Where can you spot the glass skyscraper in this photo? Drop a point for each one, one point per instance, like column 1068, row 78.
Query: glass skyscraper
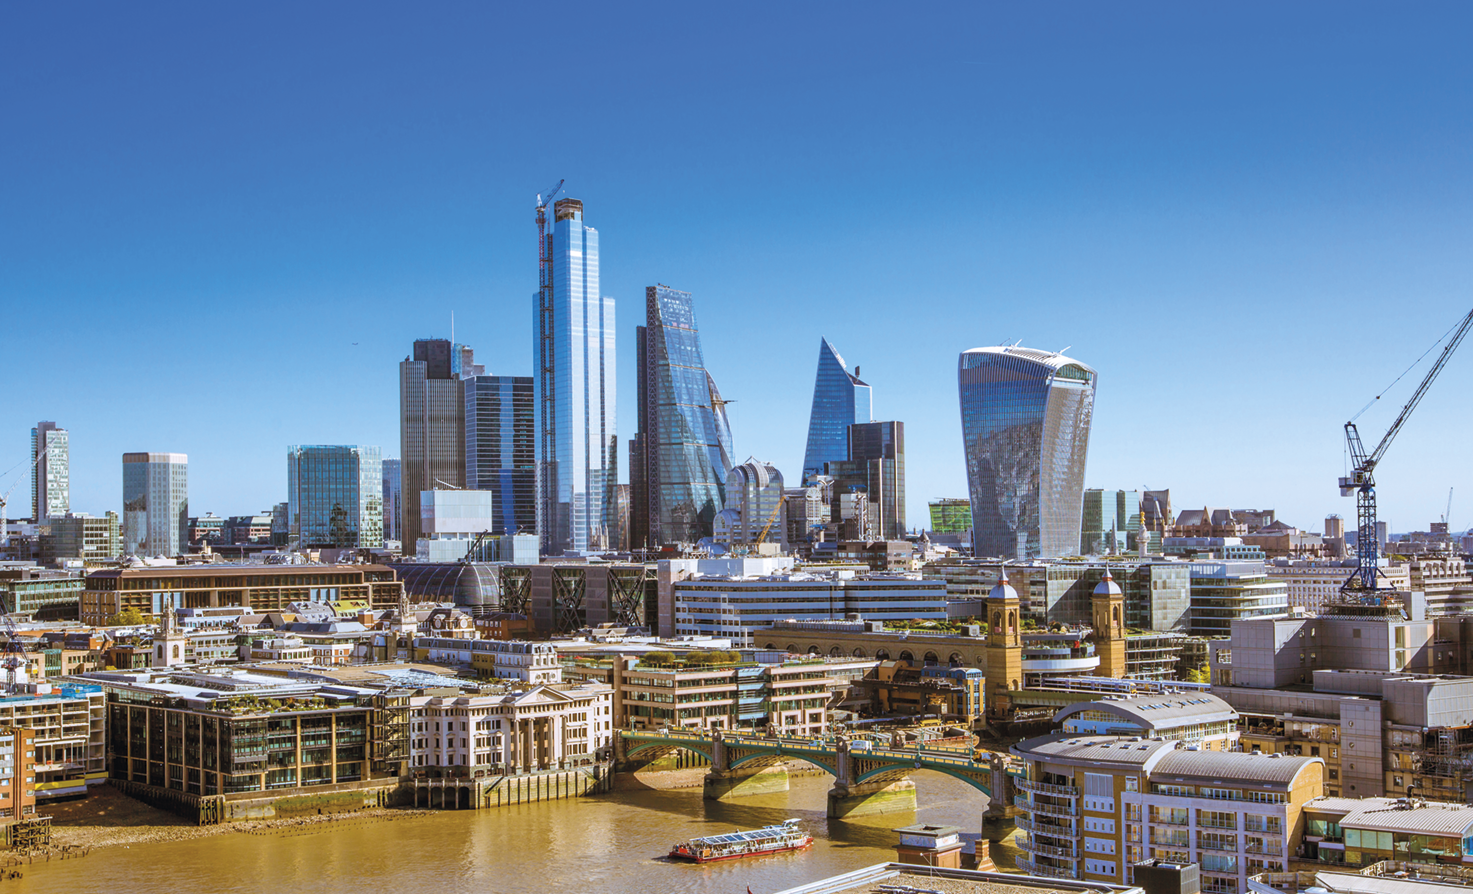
column 1111, row 521
column 155, row 504
column 679, row 460
column 577, row 436
column 1025, row 433
column 876, row 466
column 500, row 448
column 393, row 499
column 840, row 399
column 431, row 424
column 51, row 471
column 335, row 496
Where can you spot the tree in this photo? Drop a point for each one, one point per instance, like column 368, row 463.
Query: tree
column 659, row 659
column 1197, row 675
column 128, row 617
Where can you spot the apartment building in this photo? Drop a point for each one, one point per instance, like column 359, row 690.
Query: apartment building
column 261, row 588
column 17, row 777
column 68, row 723
column 1095, row 805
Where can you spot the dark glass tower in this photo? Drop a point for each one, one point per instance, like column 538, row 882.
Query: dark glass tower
column 500, row 448
column 1025, row 433
column 681, row 455
column 876, row 465
column 431, row 424
column 840, row 399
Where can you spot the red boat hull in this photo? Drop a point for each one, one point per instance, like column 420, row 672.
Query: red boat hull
column 679, row 854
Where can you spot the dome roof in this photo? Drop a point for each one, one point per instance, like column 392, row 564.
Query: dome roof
column 1002, row 590
column 1107, row 586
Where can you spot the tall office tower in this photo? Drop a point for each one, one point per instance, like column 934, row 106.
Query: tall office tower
column 840, row 400
column 51, row 468
column 393, row 497
column 679, row 460
column 876, row 466
column 1025, row 433
column 155, row 504
column 431, row 424
column 1110, row 522
column 501, row 450
column 577, row 437
column 334, row 496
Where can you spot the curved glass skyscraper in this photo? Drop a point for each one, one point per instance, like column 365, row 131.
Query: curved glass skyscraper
column 679, row 459
column 840, row 399
column 1025, row 431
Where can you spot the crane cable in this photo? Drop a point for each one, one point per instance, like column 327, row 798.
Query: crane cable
column 1405, row 371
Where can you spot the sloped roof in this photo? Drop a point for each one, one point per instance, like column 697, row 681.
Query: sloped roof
column 1228, row 767
column 1158, row 711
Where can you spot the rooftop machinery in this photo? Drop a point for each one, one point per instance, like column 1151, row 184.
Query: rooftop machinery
column 1363, row 586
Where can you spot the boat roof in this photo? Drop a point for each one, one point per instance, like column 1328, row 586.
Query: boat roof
column 739, row 837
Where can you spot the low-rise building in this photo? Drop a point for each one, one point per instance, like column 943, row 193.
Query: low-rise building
column 1195, row 718
column 1315, row 585
column 493, row 659
column 261, row 588
column 506, row 730
column 1361, row 832
column 42, row 593
column 1094, row 806
column 68, row 723
column 949, row 693
column 1224, row 592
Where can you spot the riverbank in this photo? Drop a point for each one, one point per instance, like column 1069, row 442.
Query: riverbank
column 109, row 818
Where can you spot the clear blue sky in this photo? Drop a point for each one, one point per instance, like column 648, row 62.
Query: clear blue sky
column 1248, row 217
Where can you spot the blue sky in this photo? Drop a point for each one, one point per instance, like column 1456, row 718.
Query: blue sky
column 1248, row 217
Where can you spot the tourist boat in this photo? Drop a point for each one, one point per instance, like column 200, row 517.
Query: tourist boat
column 785, row 836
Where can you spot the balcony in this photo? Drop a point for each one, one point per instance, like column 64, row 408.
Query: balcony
column 1023, row 803
column 1046, row 788
column 1032, row 868
column 1228, row 845
column 1027, row 843
column 1170, row 820
column 1060, row 831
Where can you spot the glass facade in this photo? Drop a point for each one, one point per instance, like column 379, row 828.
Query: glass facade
column 754, row 503
column 335, row 496
column 393, row 497
column 432, row 423
column 876, row 466
column 839, row 400
column 1025, row 432
column 681, row 456
column 951, row 516
column 51, row 468
column 577, row 436
column 500, row 448
column 155, row 504
column 1111, row 522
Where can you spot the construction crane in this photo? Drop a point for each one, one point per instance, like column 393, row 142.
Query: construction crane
column 5, row 499
column 1362, row 587
column 1447, row 516
column 15, row 653
column 770, row 520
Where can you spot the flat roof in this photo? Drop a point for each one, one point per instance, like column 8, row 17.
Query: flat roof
column 1128, row 751
column 950, row 881
column 228, row 570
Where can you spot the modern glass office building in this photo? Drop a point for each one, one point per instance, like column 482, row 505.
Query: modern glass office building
column 876, row 466
column 577, row 435
column 1025, row 432
column 501, row 449
column 51, row 471
column 840, row 399
column 1111, row 523
column 393, row 499
column 679, row 460
column 155, row 504
column 431, row 423
column 950, row 515
column 335, row 496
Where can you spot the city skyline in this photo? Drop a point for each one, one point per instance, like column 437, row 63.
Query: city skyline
column 1219, row 228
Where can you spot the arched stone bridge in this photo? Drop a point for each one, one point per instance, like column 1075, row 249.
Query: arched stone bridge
column 866, row 780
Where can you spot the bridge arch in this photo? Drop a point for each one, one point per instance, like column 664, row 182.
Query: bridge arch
column 650, row 750
column 901, row 768
column 764, row 759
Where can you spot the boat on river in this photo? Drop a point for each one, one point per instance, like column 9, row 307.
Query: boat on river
column 785, row 836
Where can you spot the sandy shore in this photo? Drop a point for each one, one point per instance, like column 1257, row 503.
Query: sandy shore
column 109, row 818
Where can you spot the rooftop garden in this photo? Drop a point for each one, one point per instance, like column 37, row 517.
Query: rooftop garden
column 958, row 627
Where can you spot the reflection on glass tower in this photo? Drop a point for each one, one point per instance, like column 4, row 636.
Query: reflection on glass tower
column 840, row 399
column 335, row 496
column 500, row 454
column 577, row 441
column 1025, row 431
column 679, row 459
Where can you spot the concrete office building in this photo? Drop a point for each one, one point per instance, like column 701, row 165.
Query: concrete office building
column 754, row 504
column 451, row 521
column 50, row 472
column 431, row 423
column 840, row 400
column 577, row 429
column 82, row 536
column 1314, row 585
column 680, row 458
column 335, row 496
column 1094, row 806
column 155, row 504
column 1025, row 434
column 500, row 448
column 261, row 588
column 393, row 497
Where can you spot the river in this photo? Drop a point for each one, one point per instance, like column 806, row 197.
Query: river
column 607, row 843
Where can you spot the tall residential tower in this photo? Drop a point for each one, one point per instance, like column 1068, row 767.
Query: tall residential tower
column 1025, row 434
column 840, row 400
column 155, row 504
column 577, row 439
column 51, row 470
column 679, row 460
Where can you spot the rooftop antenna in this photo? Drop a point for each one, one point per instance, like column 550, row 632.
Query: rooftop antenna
column 1018, row 342
column 1062, row 350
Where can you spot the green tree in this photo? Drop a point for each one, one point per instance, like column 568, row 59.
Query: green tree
column 659, row 659
column 128, row 617
column 1197, row 675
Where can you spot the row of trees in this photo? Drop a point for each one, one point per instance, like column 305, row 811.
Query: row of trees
column 691, row 659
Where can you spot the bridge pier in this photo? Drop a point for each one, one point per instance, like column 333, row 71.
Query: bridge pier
column 745, row 781
column 872, row 798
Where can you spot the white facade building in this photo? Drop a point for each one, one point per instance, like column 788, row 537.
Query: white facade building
column 541, row 728
column 502, row 659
